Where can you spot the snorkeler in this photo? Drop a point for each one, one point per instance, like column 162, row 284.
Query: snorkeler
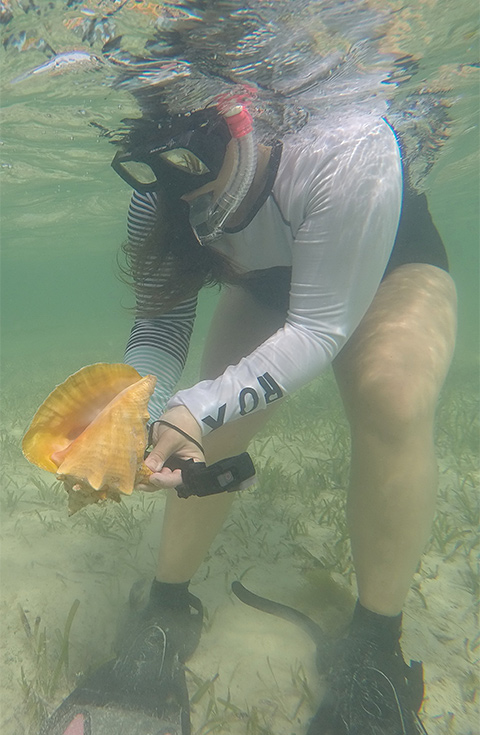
column 317, row 272
column 327, row 257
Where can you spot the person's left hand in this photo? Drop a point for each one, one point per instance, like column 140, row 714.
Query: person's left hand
column 168, row 442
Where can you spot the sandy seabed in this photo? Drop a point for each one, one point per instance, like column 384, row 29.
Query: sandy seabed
column 286, row 539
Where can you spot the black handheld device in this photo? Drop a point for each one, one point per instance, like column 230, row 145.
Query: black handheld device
column 227, row 475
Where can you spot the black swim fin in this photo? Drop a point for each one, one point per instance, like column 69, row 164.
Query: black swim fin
column 372, row 693
column 372, row 703
column 143, row 692
column 91, row 720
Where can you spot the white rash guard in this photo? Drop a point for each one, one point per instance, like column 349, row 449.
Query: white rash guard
column 332, row 217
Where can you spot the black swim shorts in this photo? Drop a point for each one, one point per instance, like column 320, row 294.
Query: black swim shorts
column 417, row 241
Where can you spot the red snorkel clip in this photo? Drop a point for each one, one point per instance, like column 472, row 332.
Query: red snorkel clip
column 233, row 107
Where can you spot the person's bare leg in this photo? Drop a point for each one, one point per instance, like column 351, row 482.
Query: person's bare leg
column 390, row 374
column 239, row 325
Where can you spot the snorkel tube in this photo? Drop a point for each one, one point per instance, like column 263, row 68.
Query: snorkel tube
column 207, row 218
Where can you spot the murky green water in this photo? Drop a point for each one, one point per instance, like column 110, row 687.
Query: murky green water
column 64, row 306
column 63, row 209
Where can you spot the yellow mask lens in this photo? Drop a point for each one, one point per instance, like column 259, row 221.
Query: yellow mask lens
column 185, row 160
column 141, row 172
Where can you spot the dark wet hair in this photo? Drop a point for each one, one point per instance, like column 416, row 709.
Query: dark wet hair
column 169, row 266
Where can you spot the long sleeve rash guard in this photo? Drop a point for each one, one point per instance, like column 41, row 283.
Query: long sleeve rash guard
column 332, row 216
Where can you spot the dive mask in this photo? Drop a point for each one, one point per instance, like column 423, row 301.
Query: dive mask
column 179, row 155
column 187, row 152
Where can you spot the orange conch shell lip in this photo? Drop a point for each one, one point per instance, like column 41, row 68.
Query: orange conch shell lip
column 91, row 431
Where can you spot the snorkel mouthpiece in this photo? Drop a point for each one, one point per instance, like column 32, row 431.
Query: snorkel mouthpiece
column 206, row 217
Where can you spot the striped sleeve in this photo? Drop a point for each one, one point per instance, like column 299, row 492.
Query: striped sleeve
column 157, row 345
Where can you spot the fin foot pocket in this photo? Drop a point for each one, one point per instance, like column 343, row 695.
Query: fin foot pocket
column 370, row 692
column 143, row 691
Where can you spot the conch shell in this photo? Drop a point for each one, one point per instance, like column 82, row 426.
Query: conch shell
column 91, row 431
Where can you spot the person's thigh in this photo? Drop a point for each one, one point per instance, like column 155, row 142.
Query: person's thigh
column 239, row 325
column 391, row 370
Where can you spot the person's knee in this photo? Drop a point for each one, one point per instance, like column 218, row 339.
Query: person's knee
column 393, row 403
